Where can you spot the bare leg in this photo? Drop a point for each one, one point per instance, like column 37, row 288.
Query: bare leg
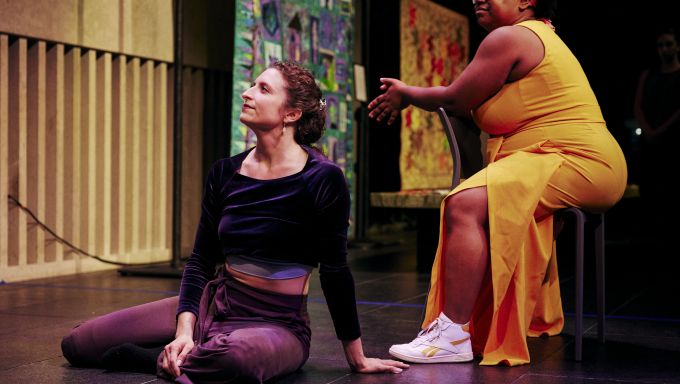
column 466, row 251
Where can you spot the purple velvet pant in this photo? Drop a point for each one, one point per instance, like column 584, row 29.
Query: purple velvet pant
column 243, row 334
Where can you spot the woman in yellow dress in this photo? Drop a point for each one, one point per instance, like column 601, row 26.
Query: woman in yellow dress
column 494, row 280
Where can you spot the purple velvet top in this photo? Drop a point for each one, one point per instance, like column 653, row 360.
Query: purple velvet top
column 300, row 218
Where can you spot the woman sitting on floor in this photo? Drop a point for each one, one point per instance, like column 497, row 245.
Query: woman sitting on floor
column 269, row 216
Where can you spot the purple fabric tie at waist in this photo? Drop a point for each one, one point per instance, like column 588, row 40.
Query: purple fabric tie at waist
column 226, row 300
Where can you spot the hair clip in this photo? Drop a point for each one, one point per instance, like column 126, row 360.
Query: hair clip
column 322, row 104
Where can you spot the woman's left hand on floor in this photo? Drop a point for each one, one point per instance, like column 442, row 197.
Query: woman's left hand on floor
column 372, row 365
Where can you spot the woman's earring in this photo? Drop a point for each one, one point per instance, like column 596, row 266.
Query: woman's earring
column 283, row 132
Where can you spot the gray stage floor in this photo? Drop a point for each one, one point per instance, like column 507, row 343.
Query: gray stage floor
column 643, row 323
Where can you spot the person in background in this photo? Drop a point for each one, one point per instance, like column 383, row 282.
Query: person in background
column 657, row 110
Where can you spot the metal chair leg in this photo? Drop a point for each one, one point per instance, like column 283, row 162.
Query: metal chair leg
column 578, row 272
column 597, row 228
column 599, row 277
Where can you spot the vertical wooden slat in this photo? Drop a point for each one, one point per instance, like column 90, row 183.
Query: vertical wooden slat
column 54, row 178
column 118, row 142
column 102, row 152
column 169, row 155
column 4, row 155
column 160, row 161
column 185, row 205
column 147, row 152
column 89, row 158
column 133, row 150
column 17, row 150
column 36, row 130
column 72, row 151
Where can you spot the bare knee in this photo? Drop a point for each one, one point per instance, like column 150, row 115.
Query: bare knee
column 469, row 206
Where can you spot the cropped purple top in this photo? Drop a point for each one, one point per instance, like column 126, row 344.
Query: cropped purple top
column 301, row 218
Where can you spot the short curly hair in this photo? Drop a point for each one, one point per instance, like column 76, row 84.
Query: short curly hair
column 302, row 92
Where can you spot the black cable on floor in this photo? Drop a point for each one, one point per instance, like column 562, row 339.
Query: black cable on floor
column 72, row 246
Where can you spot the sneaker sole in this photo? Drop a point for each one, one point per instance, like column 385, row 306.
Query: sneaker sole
column 457, row 358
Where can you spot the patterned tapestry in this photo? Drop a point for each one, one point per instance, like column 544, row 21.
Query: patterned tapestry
column 434, row 51
column 316, row 33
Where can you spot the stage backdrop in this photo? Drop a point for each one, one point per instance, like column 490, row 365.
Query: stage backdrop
column 316, row 33
column 434, row 51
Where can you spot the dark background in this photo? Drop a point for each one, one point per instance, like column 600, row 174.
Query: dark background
column 614, row 41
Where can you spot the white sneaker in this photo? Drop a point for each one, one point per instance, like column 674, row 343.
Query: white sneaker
column 443, row 341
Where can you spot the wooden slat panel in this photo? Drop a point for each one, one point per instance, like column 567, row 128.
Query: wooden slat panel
column 36, row 150
column 89, row 159
column 133, row 154
column 72, row 149
column 147, row 152
column 4, row 139
column 85, row 142
column 17, row 150
column 118, row 145
column 54, row 178
column 160, row 158
column 102, row 152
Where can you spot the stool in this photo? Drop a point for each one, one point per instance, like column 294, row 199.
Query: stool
column 593, row 224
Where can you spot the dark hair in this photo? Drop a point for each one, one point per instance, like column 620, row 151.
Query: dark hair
column 666, row 30
column 545, row 9
column 303, row 93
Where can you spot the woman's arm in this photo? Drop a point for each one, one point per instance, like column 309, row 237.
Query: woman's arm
column 197, row 272
column 506, row 54
column 332, row 204
column 354, row 352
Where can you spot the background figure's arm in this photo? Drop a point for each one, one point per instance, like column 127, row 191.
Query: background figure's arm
column 638, row 111
column 675, row 117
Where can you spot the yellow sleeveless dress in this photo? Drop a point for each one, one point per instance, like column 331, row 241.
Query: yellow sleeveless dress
column 550, row 147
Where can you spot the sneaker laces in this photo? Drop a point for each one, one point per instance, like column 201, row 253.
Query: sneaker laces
column 435, row 331
column 432, row 332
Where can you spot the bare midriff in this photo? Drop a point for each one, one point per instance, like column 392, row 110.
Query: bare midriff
column 293, row 286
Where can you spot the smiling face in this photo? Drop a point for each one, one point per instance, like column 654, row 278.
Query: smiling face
column 264, row 103
column 492, row 14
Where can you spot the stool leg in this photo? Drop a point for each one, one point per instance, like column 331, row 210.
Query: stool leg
column 599, row 270
column 578, row 318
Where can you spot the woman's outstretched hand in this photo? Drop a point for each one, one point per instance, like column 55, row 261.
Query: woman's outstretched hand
column 354, row 352
column 389, row 103
column 372, row 365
